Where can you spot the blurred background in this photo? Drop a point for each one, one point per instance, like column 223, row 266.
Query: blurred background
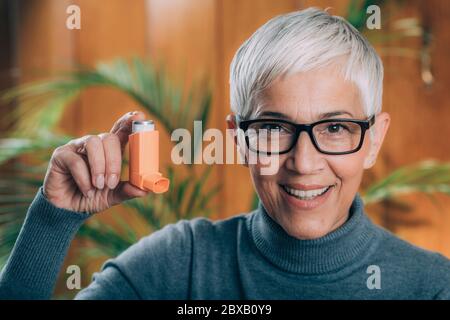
column 170, row 59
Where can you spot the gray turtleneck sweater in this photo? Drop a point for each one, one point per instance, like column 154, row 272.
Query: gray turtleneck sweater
column 245, row 257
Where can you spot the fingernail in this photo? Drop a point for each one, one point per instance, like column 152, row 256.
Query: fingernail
column 112, row 181
column 100, row 181
column 90, row 194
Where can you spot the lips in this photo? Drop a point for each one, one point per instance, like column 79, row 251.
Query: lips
column 306, row 194
column 305, row 187
column 307, row 197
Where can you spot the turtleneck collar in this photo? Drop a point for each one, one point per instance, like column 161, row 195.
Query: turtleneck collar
column 329, row 253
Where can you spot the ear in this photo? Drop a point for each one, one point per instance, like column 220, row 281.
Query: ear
column 239, row 139
column 380, row 129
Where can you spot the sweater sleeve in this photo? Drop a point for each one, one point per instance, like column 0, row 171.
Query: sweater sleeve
column 33, row 266
column 158, row 266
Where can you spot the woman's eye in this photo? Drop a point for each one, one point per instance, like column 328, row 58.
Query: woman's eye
column 335, row 128
column 271, row 127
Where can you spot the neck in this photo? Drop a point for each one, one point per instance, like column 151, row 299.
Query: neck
column 313, row 256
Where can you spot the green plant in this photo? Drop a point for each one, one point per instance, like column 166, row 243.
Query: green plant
column 426, row 177
column 40, row 106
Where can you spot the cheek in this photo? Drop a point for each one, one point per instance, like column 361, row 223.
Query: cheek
column 267, row 184
column 348, row 169
column 267, row 169
column 350, row 166
column 265, row 187
column 262, row 182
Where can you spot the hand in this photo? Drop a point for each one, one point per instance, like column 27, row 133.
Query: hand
column 83, row 175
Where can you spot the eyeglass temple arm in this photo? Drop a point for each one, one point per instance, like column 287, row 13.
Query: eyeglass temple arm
column 371, row 121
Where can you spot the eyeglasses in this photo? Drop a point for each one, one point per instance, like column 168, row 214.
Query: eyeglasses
column 330, row 136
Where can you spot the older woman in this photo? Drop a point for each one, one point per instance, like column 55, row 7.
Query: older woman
column 310, row 83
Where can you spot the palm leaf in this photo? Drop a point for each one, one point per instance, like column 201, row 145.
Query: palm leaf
column 41, row 104
column 427, row 177
column 105, row 237
column 13, row 147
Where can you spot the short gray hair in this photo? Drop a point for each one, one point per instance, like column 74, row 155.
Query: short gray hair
column 301, row 41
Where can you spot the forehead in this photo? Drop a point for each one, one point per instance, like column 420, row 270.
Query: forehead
column 307, row 96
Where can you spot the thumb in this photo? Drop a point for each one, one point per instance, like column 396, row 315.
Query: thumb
column 122, row 128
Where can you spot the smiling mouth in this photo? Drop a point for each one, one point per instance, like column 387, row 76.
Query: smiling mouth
column 306, row 194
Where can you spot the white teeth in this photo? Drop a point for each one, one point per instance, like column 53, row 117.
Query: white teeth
column 306, row 195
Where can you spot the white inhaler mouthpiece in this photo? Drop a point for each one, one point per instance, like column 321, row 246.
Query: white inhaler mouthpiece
column 145, row 125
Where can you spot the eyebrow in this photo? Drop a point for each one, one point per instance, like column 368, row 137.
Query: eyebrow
column 274, row 115
column 326, row 115
column 334, row 114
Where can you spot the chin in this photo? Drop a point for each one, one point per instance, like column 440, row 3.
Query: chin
column 307, row 232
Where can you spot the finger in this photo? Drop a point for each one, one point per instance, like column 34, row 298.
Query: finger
column 96, row 158
column 125, row 191
column 79, row 145
column 113, row 158
column 122, row 128
column 78, row 169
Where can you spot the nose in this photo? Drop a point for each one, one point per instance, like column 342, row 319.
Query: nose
column 305, row 159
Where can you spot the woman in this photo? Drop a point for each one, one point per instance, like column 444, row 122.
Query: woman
column 310, row 83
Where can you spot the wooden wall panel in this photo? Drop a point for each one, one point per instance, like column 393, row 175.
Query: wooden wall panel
column 182, row 35
column 109, row 29
column 419, row 124
column 199, row 38
column 45, row 45
column 8, row 63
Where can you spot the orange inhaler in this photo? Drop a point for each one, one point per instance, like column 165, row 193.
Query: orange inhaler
column 144, row 158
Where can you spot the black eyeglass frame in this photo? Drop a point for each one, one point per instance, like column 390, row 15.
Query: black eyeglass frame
column 299, row 128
